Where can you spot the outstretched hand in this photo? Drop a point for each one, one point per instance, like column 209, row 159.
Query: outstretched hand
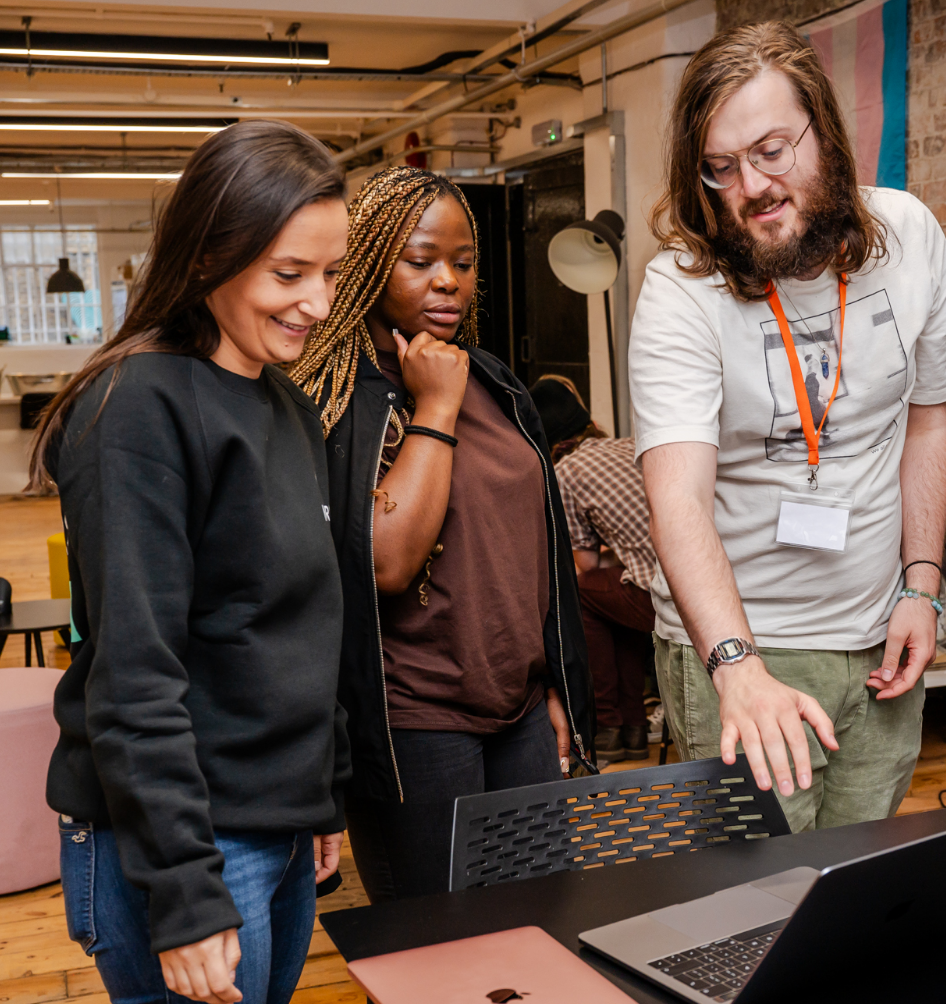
column 765, row 714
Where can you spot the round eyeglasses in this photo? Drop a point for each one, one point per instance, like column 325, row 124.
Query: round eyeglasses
column 772, row 157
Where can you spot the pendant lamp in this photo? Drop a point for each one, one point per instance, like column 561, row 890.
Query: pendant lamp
column 63, row 280
column 585, row 257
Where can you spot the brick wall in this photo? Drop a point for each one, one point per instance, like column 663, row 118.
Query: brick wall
column 729, row 13
column 926, row 121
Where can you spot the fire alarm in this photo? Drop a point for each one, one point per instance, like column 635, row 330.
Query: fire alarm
column 414, row 159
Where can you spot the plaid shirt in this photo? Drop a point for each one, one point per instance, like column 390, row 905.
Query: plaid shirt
column 603, row 492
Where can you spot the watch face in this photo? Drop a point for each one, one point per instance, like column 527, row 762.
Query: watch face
column 730, row 648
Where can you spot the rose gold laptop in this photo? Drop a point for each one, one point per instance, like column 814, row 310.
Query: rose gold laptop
column 524, row 964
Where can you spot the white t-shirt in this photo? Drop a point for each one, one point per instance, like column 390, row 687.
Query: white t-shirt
column 705, row 367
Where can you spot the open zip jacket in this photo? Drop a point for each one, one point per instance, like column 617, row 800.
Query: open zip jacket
column 354, row 453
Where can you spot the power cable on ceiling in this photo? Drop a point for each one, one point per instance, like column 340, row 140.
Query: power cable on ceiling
column 639, row 66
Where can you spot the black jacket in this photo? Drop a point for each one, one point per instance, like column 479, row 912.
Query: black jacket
column 207, row 603
column 354, row 452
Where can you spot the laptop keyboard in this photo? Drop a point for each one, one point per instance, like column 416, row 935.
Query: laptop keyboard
column 722, row 968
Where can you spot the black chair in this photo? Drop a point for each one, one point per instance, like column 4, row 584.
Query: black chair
column 608, row 819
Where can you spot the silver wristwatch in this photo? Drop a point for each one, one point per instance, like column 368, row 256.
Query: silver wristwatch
column 729, row 651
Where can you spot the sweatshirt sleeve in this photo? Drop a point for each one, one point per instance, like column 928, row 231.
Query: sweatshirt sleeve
column 133, row 487
column 342, row 773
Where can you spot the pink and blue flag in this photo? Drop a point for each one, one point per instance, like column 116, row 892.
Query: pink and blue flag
column 866, row 57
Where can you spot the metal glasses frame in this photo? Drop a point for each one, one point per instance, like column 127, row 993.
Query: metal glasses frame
column 706, row 175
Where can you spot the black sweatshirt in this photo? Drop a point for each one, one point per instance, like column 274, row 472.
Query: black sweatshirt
column 207, row 600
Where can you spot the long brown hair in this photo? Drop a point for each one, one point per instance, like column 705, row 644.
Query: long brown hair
column 684, row 218
column 394, row 199
column 236, row 193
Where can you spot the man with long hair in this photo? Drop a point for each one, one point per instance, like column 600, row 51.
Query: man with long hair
column 797, row 492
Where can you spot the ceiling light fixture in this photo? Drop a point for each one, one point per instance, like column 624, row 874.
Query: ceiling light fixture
column 95, row 175
column 114, row 126
column 161, row 49
column 63, row 280
column 24, row 202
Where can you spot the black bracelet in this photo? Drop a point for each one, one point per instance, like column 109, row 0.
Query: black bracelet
column 924, row 562
column 422, row 430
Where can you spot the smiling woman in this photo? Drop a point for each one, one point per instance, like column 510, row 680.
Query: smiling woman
column 202, row 746
column 266, row 311
column 463, row 656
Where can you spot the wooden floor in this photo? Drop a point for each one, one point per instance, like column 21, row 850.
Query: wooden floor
column 38, row 962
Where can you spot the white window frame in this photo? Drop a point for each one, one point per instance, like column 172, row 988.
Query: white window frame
column 49, row 318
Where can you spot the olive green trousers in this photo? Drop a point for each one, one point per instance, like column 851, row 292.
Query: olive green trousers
column 879, row 741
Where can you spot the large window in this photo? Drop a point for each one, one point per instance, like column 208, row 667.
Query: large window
column 28, row 257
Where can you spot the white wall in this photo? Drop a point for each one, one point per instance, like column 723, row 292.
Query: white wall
column 645, row 95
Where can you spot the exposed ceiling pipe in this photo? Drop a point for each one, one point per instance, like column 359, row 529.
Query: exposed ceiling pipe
column 508, row 47
column 540, row 35
column 517, row 76
column 233, row 112
column 326, row 73
column 58, row 14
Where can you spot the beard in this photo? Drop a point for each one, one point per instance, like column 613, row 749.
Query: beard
column 824, row 214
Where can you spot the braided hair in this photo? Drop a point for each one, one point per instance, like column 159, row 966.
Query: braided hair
column 394, row 199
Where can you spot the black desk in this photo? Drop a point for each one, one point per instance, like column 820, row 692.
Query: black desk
column 566, row 903
column 30, row 618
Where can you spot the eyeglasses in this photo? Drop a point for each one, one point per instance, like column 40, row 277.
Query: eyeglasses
column 772, row 157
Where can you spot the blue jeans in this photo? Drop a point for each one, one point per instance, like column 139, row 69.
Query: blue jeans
column 271, row 878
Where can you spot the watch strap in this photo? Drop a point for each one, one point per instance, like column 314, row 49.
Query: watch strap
column 728, row 652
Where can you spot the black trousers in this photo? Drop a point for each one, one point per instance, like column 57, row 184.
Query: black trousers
column 403, row 849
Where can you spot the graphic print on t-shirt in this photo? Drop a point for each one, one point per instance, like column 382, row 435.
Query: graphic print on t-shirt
column 870, row 396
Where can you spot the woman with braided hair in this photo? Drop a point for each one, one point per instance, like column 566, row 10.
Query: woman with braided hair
column 463, row 658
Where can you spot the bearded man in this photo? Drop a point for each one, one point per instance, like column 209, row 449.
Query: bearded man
column 785, row 532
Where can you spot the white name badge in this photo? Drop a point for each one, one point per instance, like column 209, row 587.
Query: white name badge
column 816, row 519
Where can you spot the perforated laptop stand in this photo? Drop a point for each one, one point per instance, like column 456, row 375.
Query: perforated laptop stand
column 608, row 819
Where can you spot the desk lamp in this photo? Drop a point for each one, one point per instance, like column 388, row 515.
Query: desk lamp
column 585, row 257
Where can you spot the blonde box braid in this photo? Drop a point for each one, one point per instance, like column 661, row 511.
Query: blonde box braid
column 397, row 197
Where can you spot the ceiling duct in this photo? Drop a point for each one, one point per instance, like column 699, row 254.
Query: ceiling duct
column 147, row 51
column 522, row 74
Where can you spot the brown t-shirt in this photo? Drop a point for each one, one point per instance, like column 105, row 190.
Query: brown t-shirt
column 471, row 660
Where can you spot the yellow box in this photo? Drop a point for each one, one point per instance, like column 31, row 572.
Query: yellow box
column 58, row 567
column 58, row 574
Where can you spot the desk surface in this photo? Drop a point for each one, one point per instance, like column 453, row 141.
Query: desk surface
column 567, row 903
column 35, row 615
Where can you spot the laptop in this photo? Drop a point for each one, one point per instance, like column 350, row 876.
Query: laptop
column 865, row 930
column 523, row 964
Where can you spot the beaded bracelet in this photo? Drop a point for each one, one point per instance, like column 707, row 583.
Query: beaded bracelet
column 915, row 594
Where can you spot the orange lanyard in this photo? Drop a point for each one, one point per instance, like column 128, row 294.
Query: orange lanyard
column 812, row 435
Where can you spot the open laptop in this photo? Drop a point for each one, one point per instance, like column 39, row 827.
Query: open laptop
column 523, row 964
column 866, row 930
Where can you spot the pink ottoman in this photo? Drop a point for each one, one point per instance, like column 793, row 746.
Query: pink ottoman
column 29, row 831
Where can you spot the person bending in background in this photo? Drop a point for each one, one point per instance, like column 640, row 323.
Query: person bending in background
column 603, row 493
column 201, row 740
column 464, row 666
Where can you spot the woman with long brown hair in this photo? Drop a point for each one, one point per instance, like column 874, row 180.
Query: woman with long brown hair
column 463, row 661
column 201, row 742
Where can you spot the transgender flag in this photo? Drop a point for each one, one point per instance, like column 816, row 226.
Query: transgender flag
column 864, row 51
